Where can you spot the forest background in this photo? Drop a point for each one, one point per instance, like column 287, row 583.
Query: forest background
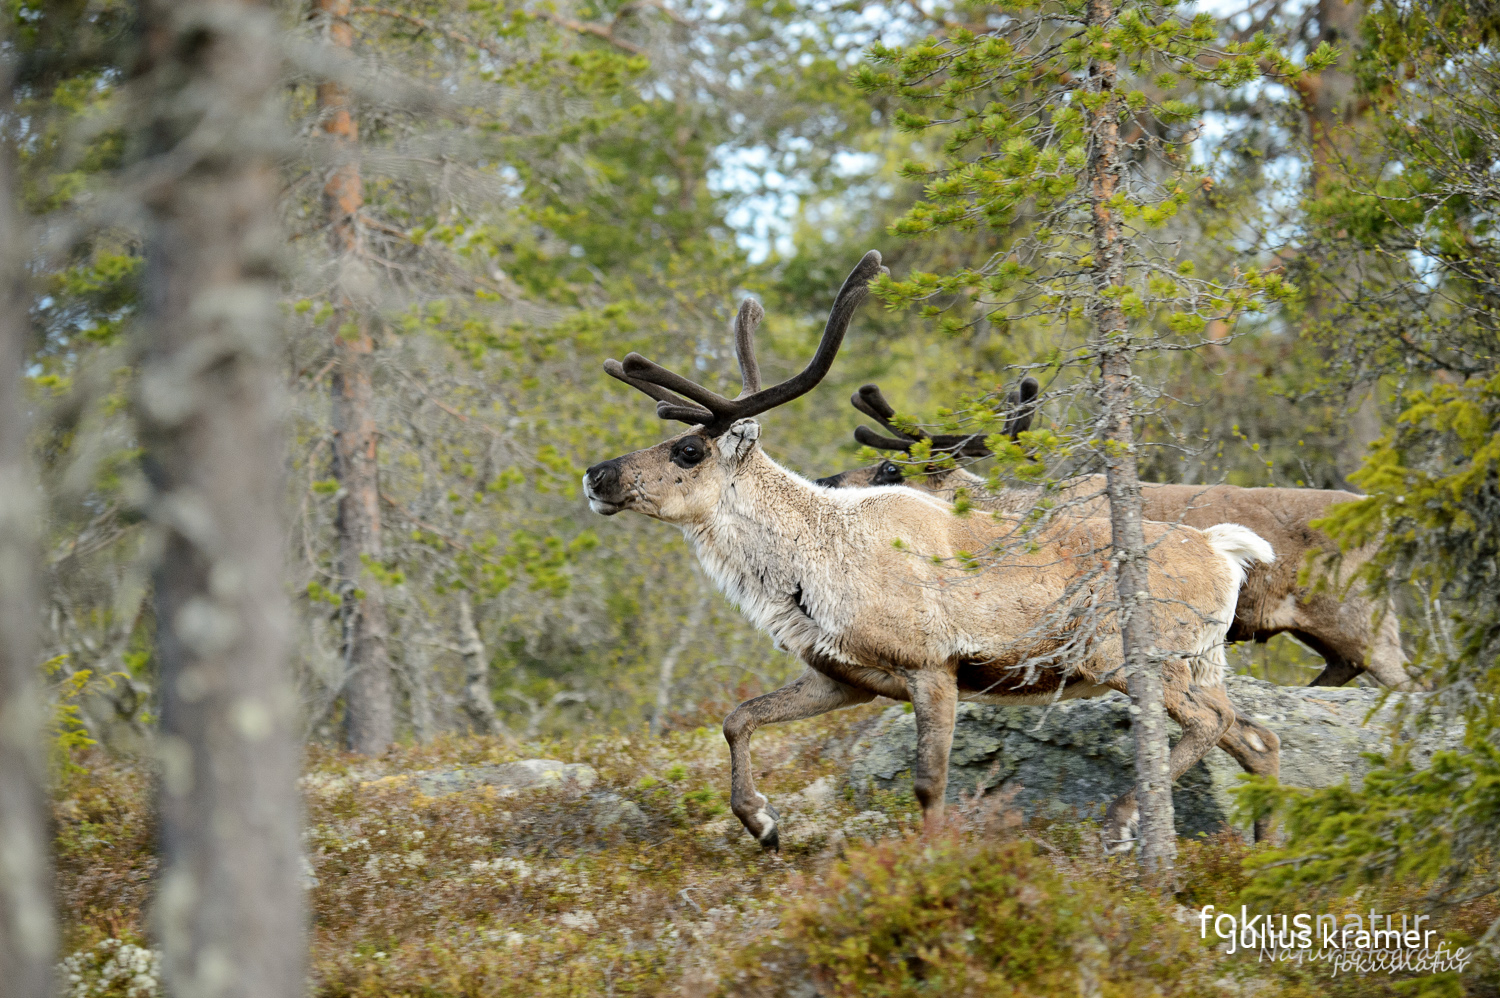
column 481, row 202
column 538, row 189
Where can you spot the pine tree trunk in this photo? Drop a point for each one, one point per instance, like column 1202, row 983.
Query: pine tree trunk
column 228, row 911
column 479, row 702
column 1334, row 114
column 1328, row 98
column 1158, row 838
column 27, row 932
column 369, row 706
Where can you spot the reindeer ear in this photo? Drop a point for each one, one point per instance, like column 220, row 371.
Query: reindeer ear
column 739, row 439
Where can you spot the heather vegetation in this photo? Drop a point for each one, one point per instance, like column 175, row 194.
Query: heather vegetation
column 549, row 893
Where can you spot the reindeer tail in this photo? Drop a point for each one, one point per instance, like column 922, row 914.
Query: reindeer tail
column 1241, row 545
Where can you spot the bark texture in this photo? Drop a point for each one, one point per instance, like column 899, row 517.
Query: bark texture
column 1157, row 844
column 228, row 911
column 1328, row 98
column 27, row 931
column 479, row 702
column 1335, row 115
column 369, row 707
column 669, row 664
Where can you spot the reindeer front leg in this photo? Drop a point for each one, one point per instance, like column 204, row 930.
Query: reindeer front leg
column 809, row 695
column 934, row 701
column 1204, row 713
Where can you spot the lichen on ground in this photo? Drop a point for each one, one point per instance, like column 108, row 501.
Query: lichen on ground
column 643, row 883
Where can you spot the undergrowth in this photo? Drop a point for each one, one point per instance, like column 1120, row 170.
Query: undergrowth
column 645, row 884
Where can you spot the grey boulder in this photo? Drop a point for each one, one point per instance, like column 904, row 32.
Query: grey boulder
column 1071, row 759
column 508, row 777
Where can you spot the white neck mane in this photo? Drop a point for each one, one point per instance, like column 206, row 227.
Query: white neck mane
column 776, row 539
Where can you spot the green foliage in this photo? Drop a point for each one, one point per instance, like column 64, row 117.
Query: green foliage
column 1432, row 508
column 1434, row 504
column 68, row 735
column 1423, row 314
column 1404, row 823
column 1008, row 116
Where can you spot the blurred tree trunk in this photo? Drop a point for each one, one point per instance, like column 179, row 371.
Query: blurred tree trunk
column 1335, row 116
column 415, row 672
column 1153, row 787
column 479, row 702
column 27, row 934
column 1328, row 98
column 369, row 706
column 669, row 664
column 228, row 911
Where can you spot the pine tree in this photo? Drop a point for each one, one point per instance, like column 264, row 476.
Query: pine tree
column 229, row 895
column 1072, row 126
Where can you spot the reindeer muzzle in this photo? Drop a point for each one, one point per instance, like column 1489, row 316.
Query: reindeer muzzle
column 601, row 485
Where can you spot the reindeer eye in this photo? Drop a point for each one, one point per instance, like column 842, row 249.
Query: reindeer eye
column 688, row 452
column 888, row 474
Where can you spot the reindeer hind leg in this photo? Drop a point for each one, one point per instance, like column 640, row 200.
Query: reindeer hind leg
column 1205, row 714
column 1258, row 751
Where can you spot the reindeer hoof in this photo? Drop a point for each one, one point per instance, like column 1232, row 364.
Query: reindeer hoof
column 769, row 820
column 1120, row 834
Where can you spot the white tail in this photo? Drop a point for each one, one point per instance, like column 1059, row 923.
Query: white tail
column 1241, row 545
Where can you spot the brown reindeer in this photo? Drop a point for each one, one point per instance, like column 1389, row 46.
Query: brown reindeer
column 1352, row 631
column 879, row 592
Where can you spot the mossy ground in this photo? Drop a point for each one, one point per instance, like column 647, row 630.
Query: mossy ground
column 480, row 894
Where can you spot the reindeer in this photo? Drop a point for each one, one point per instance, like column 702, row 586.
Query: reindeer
column 873, row 589
column 1351, row 631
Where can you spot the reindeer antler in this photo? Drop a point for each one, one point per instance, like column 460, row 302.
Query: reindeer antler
column 745, row 321
column 1020, row 404
column 699, row 405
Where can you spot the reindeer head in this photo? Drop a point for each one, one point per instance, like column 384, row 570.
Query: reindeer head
column 1020, row 406
column 682, row 479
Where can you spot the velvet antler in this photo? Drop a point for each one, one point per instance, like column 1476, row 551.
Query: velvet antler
column 697, row 404
column 1020, row 404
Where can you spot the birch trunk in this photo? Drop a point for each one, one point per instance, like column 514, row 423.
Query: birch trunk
column 479, row 702
column 669, row 665
column 228, row 911
column 369, row 703
column 1158, row 838
column 27, row 933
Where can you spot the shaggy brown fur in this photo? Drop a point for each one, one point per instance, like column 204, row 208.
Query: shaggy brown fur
column 1334, row 618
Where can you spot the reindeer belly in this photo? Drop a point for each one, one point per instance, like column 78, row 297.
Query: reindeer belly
column 882, row 680
column 989, row 682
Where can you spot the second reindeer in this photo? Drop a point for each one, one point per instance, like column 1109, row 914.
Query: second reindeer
column 884, row 591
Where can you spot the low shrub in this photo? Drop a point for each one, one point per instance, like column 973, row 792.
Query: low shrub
column 969, row 915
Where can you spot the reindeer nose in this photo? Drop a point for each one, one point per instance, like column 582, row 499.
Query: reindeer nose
column 831, row 482
column 603, row 477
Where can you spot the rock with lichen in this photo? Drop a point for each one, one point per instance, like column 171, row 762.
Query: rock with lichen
column 1069, row 760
